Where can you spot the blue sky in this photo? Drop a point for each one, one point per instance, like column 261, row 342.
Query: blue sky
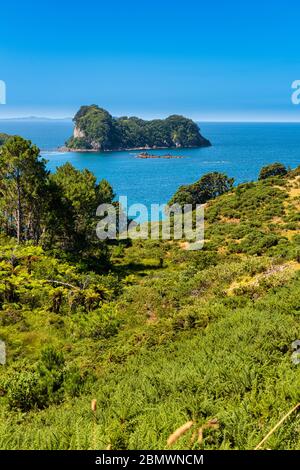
column 217, row 60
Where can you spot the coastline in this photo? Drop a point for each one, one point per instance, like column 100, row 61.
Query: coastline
column 74, row 150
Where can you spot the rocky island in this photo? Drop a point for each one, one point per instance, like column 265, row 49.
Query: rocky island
column 146, row 155
column 97, row 130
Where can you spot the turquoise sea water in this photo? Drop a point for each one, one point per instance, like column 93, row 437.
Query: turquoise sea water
column 238, row 149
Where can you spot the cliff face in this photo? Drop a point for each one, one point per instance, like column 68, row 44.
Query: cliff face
column 78, row 133
column 96, row 129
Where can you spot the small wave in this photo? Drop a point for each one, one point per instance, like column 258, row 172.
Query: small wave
column 52, row 153
column 211, row 162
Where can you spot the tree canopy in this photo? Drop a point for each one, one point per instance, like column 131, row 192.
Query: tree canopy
column 207, row 187
column 80, row 195
column 57, row 210
column 23, row 186
column 275, row 169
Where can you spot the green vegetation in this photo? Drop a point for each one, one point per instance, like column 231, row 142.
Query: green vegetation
column 207, row 187
column 56, row 211
column 159, row 336
column 275, row 169
column 3, row 138
column 96, row 129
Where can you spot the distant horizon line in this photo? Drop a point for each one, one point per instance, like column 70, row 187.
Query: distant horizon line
column 36, row 118
column 224, row 121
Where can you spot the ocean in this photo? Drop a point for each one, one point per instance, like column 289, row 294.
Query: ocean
column 238, row 149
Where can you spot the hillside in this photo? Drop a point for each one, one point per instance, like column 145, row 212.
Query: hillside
column 96, row 129
column 168, row 336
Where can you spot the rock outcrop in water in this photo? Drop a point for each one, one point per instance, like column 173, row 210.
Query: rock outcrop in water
column 167, row 156
column 95, row 129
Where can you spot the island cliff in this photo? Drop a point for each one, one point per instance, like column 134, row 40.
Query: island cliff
column 95, row 130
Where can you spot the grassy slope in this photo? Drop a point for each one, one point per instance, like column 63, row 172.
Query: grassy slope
column 207, row 335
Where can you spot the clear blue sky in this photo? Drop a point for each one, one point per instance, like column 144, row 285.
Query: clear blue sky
column 211, row 60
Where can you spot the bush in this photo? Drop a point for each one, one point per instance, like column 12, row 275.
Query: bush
column 275, row 169
column 208, row 187
column 46, row 383
column 25, row 391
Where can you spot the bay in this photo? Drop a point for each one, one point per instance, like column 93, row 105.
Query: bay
column 238, row 149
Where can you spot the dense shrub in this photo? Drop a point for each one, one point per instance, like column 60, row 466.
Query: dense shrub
column 48, row 382
column 275, row 169
column 206, row 188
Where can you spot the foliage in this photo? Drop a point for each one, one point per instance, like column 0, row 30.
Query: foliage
column 3, row 138
column 56, row 210
column 99, row 130
column 23, row 188
column 275, row 169
column 207, row 187
column 80, row 196
column 45, row 383
column 168, row 335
